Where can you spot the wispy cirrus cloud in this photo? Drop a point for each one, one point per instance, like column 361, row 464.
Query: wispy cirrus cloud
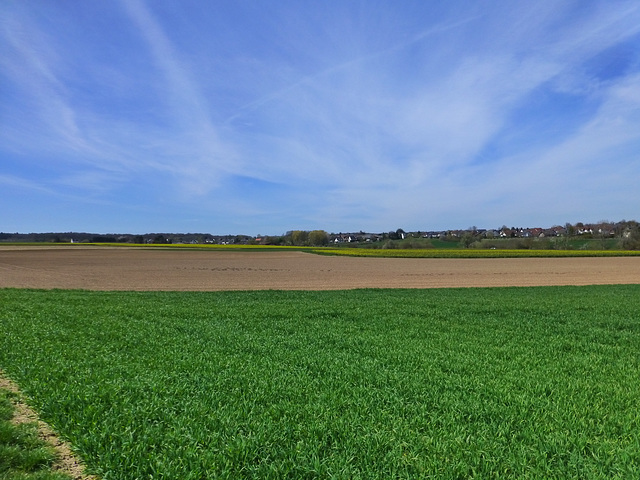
column 332, row 116
column 448, row 122
column 195, row 150
column 30, row 64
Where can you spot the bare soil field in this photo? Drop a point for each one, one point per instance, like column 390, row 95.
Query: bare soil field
column 122, row 268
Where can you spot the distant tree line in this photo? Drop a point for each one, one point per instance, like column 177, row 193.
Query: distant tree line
column 299, row 238
column 604, row 234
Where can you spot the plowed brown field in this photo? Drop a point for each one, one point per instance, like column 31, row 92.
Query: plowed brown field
column 122, row 268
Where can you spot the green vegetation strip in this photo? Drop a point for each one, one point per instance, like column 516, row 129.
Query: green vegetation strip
column 485, row 383
column 472, row 253
column 23, row 455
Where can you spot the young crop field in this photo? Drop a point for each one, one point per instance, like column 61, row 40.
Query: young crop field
column 539, row 382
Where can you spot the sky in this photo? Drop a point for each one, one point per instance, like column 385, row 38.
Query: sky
column 256, row 118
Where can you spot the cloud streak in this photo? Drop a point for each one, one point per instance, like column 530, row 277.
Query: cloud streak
column 415, row 116
column 197, row 153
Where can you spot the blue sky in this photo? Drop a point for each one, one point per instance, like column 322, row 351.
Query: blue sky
column 251, row 117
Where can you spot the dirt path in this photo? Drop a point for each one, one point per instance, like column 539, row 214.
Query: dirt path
column 67, row 462
column 96, row 268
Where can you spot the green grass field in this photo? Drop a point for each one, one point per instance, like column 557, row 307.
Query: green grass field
column 533, row 383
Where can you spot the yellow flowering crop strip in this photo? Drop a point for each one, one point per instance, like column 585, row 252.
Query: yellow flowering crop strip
column 385, row 253
column 196, row 246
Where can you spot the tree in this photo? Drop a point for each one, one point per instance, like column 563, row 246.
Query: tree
column 631, row 237
column 318, row 238
column 299, row 237
column 273, row 240
column 570, row 229
column 467, row 239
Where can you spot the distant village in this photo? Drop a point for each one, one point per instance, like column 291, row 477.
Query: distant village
column 622, row 229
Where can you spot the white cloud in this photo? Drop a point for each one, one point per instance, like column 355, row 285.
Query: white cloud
column 394, row 120
column 195, row 152
column 30, row 62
